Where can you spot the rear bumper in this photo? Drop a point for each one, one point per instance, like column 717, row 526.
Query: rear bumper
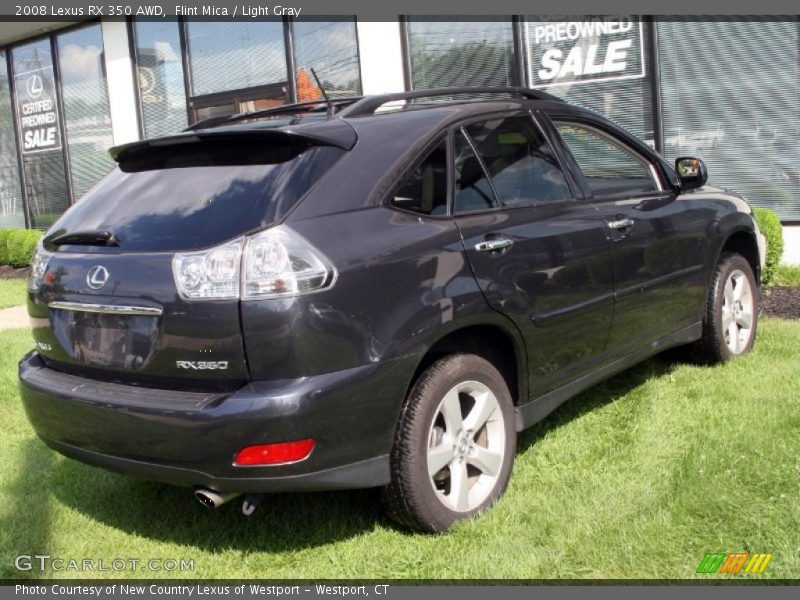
column 191, row 439
column 371, row 472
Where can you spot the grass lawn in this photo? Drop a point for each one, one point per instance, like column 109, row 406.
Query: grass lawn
column 12, row 292
column 639, row 478
column 787, row 275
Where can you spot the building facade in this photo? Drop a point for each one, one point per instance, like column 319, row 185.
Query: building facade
column 725, row 89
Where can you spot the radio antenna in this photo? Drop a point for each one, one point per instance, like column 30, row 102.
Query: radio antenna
column 324, row 93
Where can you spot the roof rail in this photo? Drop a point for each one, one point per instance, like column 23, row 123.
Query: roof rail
column 369, row 104
column 298, row 107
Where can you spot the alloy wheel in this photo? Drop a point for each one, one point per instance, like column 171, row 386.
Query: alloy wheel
column 466, row 446
column 737, row 312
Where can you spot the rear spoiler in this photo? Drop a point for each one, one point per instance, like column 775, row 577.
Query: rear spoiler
column 328, row 133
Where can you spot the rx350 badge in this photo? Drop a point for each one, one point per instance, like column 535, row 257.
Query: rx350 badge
column 202, row 365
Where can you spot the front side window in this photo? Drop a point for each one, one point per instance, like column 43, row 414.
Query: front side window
column 424, row 189
column 522, row 166
column 609, row 167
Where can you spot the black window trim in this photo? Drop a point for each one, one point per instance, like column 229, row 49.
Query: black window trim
column 606, row 130
column 498, row 204
column 518, row 112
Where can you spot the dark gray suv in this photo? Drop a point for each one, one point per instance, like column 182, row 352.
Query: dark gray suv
column 376, row 291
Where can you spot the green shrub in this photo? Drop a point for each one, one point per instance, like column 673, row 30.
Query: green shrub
column 4, row 233
column 21, row 245
column 770, row 225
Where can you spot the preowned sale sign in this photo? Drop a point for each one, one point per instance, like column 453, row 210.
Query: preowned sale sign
column 592, row 49
column 37, row 110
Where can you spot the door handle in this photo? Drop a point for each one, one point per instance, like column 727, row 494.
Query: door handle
column 494, row 245
column 620, row 224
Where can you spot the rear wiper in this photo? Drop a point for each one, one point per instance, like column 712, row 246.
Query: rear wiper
column 84, row 238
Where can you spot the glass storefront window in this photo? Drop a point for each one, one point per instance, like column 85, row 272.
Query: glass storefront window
column 331, row 49
column 11, row 208
column 730, row 94
column 87, row 115
column 600, row 63
column 447, row 52
column 38, row 124
column 159, row 68
column 234, row 55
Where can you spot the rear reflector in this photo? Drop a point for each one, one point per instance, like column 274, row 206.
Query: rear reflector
column 274, row 454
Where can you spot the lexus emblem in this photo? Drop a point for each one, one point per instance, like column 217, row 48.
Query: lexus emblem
column 97, row 277
column 35, row 87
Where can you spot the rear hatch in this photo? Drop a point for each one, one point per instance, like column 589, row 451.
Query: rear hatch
column 104, row 301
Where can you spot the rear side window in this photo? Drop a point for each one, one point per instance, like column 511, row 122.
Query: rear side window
column 609, row 167
column 473, row 190
column 522, row 165
column 199, row 194
column 424, row 189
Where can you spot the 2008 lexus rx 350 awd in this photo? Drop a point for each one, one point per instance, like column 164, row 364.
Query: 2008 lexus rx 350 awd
column 378, row 292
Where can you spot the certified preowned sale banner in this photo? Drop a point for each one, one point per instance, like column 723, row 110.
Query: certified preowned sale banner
column 37, row 110
column 592, row 49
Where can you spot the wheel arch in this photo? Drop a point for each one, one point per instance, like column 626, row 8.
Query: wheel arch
column 741, row 240
column 499, row 344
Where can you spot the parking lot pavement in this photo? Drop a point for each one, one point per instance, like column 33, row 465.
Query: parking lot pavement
column 14, row 318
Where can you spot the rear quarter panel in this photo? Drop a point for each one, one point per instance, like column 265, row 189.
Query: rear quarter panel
column 403, row 282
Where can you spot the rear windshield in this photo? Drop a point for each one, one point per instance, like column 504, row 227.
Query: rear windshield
column 197, row 195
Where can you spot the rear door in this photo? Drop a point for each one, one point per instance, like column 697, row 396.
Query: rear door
column 539, row 254
column 108, row 306
column 659, row 240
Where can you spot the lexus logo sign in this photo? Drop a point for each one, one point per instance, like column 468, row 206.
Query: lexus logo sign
column 97, row 277
column 34, row 87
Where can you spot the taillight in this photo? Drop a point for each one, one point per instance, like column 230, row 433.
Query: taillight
column 38, row 268
column 278, row 262
column 274, row 454
column 211, row 274
column 271, row 264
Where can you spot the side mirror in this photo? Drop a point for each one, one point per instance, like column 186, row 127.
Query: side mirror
column 692, row 173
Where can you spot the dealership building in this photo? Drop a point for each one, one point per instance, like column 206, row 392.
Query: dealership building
column 725, row 89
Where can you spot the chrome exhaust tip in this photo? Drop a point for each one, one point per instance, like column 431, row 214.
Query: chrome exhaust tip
column 212, row 499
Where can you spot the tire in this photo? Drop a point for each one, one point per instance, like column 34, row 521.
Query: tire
column 733, row 276
column 455, row 393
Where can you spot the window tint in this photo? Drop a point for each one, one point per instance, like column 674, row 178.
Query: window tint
column 608, row 166
column 424, row 190
column 473, row 190
column 520, row 161
column 188, row 197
